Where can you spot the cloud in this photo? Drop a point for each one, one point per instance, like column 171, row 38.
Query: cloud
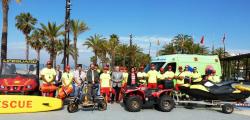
column 234, row 52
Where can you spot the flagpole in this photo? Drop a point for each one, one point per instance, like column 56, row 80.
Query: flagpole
column 224, row 37
column 224, row 49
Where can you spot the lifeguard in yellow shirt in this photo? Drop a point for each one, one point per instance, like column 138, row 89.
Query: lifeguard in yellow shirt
column 67, row 79
column 142, row 76
column 195, row 76
column 152, row 77
column 179, row 78
column 105, row 82
column 48, row 76
column 169, row 77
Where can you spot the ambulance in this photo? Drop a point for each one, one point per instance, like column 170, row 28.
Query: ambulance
column 192, row 60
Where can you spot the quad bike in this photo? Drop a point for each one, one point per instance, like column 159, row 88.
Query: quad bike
column 86, row 100
column 135, row 98
column 224, row 95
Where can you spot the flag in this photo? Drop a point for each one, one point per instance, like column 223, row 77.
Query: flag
column 202, row 40
column 223, row 39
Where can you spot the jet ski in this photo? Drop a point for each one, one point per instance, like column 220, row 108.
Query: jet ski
column 225, row 91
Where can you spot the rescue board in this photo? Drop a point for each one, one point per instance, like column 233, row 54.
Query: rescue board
column 27, row 104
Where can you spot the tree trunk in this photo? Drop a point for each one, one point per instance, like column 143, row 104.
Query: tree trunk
column 76, row 50
column 95, row 61
column 5, row 8
column 27, row 47
column 55, row 61
column 38, row 54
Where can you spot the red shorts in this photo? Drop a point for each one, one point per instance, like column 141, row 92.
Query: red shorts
column 152, row 85
column 107, row 90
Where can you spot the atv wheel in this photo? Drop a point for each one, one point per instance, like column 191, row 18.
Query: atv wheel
column 133, row 104
column 102, row 105
column 72, row 107
column 227, row 108
column 165, row 103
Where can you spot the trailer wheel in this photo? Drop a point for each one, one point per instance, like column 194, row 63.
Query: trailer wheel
column 72, row 107
column 133, row 104
column 165, row 103
column 227, row 108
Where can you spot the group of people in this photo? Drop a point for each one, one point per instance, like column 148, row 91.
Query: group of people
column 111, row 82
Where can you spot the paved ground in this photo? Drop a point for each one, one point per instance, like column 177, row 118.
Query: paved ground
column 116, row 112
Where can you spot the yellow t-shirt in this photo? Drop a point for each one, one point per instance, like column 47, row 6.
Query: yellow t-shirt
column 152, row 76
column 187, row 73
column 105, row 80
column 161, row 76
column 125, row 77
column 67, row 79
column 169, row 75
column 195, row 75
column 142, row 77
column 49, row 74
column 180, row 81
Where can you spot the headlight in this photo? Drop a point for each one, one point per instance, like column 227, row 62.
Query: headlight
column 29, row 86
column 2, row 87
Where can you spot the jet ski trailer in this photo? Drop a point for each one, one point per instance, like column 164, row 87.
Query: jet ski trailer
column 226, row 107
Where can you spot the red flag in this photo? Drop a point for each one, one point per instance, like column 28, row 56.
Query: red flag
column 202, row 40
column 223, row 39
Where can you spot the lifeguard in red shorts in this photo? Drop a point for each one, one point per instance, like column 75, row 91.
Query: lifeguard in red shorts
column 67, row 79
column 105, row 80
column 152, row 77
column 179, row 78
column 48, row 75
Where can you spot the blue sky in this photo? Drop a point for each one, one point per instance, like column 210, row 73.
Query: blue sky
column 147, row 20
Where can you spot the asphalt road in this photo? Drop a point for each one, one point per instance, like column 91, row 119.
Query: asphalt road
column 116, row 112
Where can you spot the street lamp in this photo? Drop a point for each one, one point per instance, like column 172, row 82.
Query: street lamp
column 66, row 35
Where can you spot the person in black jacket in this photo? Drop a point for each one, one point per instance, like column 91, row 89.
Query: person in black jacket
column 132, row 78
column 93, row 80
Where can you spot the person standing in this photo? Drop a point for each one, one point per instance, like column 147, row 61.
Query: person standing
column 105, row 83
column 79, row 77
column 169, row 75
column 132, row 78
column 116, row 83
column 67, row 87
column 152, row 77
column 124, row 71
column 142, row 76
column 58, row 75
column 92, row 79
column 187, row 73
column 195, row 76
column 48, row 76
column 179, row 78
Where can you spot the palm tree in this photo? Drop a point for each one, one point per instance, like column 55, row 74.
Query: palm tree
column 52, row 32
column 123, row 51
column 77, row 28
column 5, row 8
column 70, row 50
column 93, row 42
column 36, row 41
column 182, row 43
column 103, row 51
column 220, row 53
column 112, row 45
column 25, row 22
column 168, row 49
